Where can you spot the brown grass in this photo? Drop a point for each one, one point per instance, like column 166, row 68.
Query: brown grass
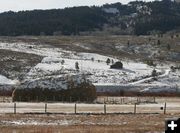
column 99, row 44
column 132, row 123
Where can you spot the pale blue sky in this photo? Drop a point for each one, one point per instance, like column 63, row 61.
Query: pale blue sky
column 17, row 5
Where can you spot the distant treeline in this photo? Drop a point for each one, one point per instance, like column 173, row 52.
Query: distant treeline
column 67, row 21
column 163, row 16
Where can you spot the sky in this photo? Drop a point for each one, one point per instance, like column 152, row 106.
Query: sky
column 19, row 5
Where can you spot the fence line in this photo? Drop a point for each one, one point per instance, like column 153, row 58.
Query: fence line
column 84, row 108
column 102, row 105
column 103, row 100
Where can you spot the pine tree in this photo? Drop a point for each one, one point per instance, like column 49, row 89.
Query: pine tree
column 62, row 62
column 168, row 47
column 154, row 73
column 112, row 61
column 77, row 66
column 128, row 43
column 108, row 61
column 158, row 42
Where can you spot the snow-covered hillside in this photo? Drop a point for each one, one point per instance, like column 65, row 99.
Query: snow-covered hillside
column 57, row 64
column 6, row 81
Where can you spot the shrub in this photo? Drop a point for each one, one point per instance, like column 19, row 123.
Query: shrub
column 154, row 73
column 108, row 61
column 150, row 63
column 82, row 92
column 117, row 65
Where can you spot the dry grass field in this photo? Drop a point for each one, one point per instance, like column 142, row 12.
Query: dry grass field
column 31, row 118
column 90, row 118
column 105, row 45
column 129, row 123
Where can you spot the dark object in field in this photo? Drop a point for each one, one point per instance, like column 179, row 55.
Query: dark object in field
column 82, row 92
column 117, row 65
column 154, row 73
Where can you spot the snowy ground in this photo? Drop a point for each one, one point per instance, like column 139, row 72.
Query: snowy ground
column 134, row 75
column 4, row 80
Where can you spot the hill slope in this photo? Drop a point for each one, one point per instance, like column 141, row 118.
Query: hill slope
column 51, row 73
column 137, row 18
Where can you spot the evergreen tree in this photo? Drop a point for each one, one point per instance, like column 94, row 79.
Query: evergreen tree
column 154, row 73
column 168, row 47
column 108, row 61
column 77, row 66
column 62, row 62
column 158, row 42
column 112, row 61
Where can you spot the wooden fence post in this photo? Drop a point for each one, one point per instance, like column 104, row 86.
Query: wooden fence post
column 154, row 99
column 165, row 108
column 14, row 108
column 3, row 99
column 104, row 108
column 45, row 107
column 54, row 98
column 70, row 99
column 62, row 99
column 37, row 99
column 135, row 108
column 75, row 108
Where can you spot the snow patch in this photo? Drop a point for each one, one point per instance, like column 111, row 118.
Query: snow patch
column 5, row 81
column 111, row 10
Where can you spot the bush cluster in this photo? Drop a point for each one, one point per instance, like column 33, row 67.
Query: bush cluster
column 82, row 92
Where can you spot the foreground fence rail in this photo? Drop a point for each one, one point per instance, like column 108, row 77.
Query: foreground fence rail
column 78, row 108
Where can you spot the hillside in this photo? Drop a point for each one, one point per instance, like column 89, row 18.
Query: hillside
column 49, row 62
column 137, row 18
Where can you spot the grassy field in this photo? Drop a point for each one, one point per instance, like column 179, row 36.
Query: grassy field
column 139, row 123
column 149, row 118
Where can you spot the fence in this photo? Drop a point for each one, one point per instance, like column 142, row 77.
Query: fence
column 125, row 100
column 74, row 108
column 5, row 99
column 102, row 105
column 100, row 99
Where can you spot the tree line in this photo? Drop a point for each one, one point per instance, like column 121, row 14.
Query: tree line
column 164, row 16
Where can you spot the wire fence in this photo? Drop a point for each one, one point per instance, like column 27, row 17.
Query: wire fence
column 99, row 100
column 75, row 108
column 102, row 105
